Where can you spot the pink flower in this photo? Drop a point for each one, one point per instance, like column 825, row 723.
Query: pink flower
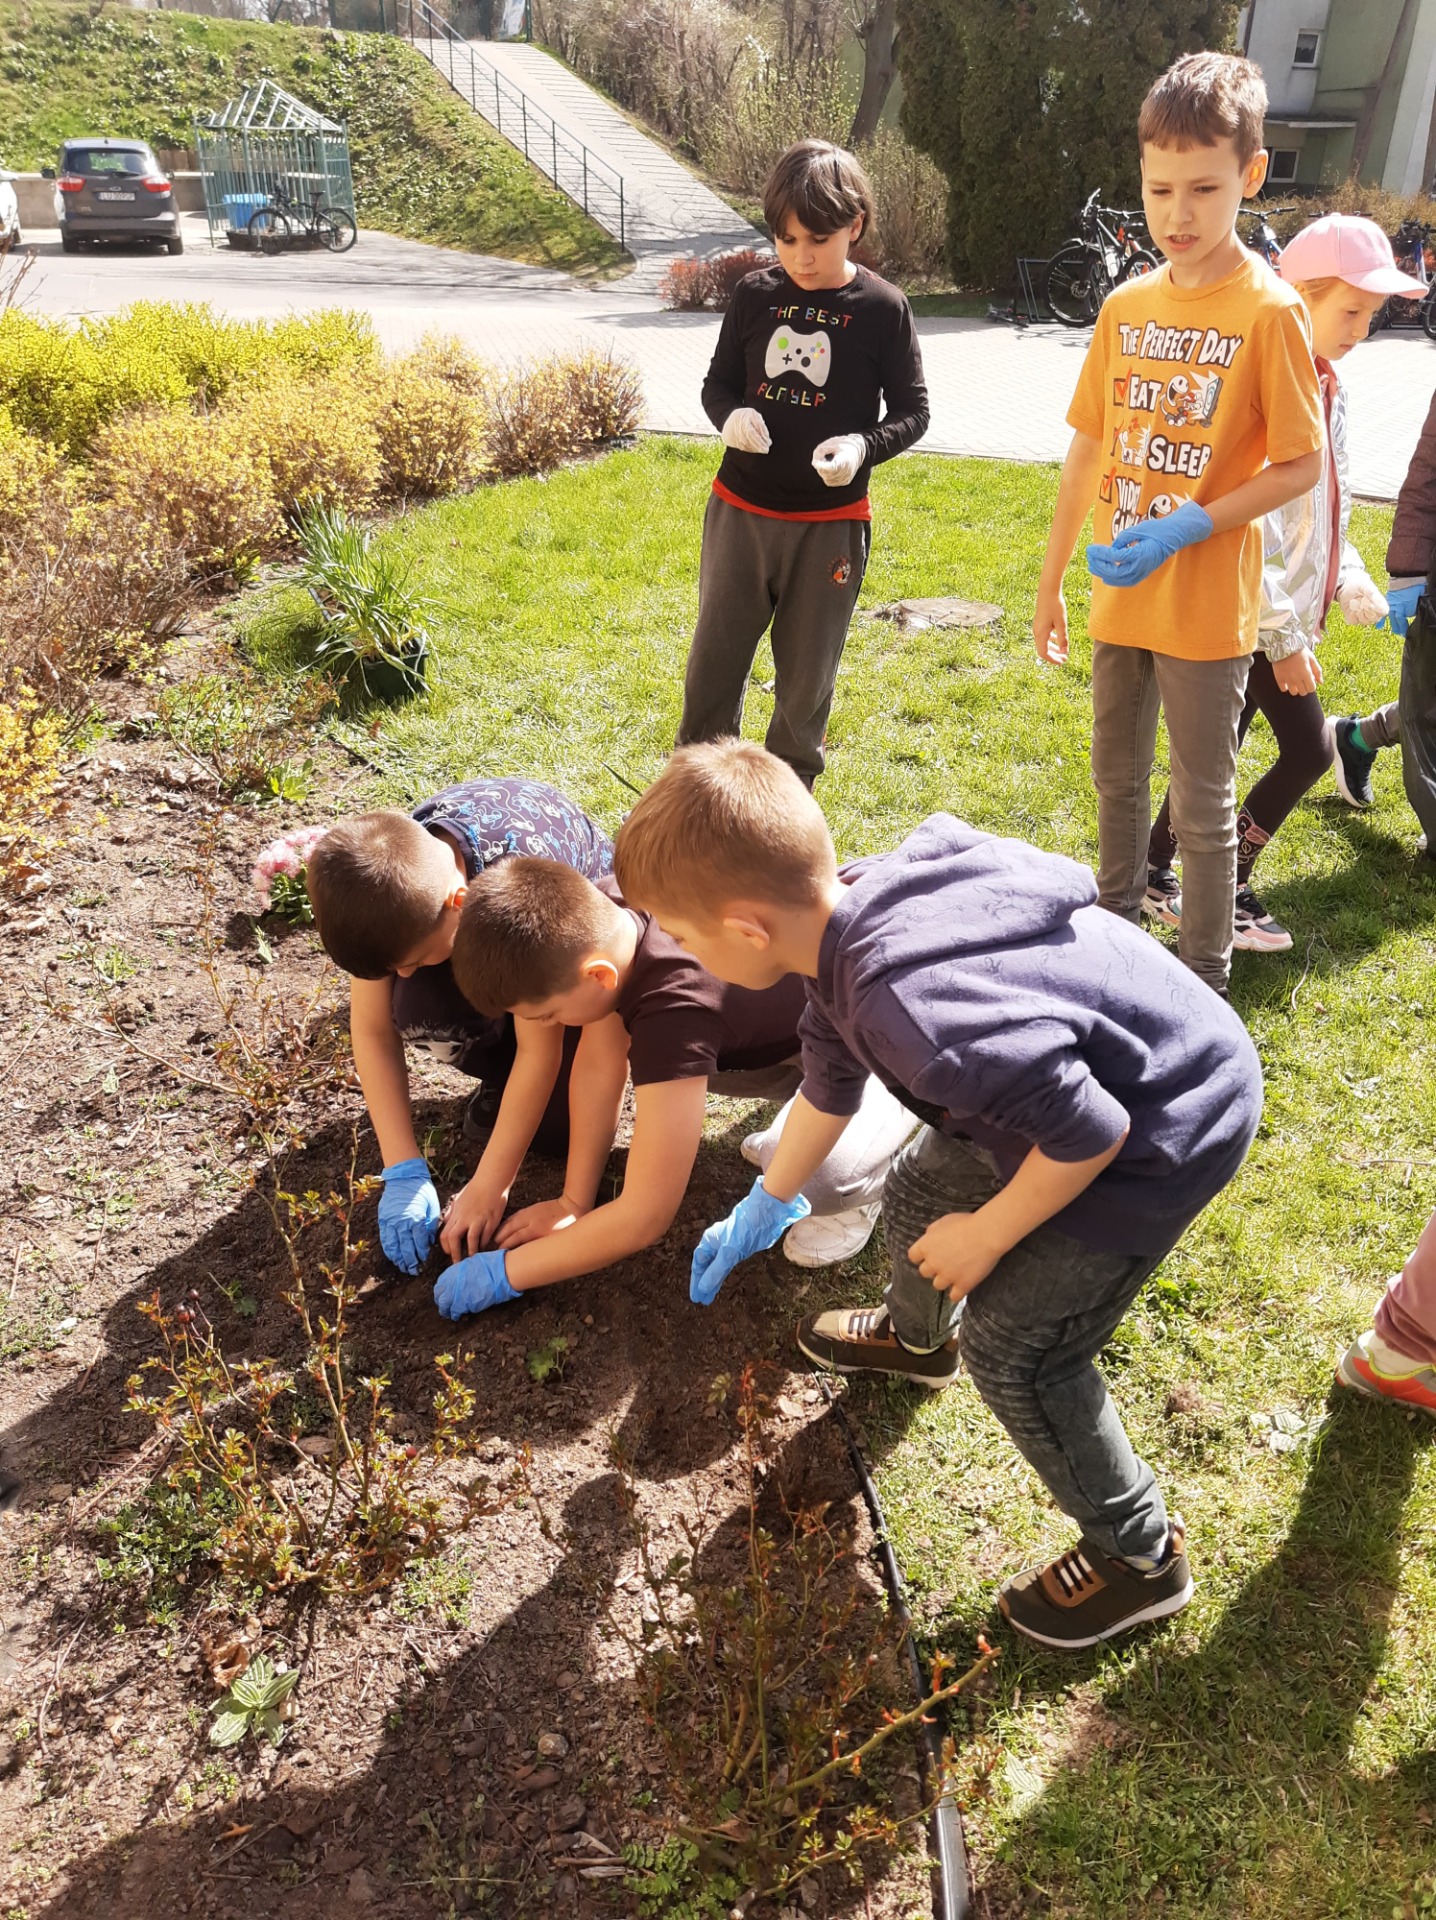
column 288, row 855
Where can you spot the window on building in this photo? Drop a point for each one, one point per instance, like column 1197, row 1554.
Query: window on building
column 1308, row 50
column 1282, row 168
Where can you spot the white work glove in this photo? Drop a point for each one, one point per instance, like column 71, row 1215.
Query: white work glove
column 1361, row 600
column 838, row 459
column 746, row 431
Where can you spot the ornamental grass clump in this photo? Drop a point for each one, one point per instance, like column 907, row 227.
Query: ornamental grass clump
column 374, row 634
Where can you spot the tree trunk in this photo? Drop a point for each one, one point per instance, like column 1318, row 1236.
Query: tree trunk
column 1366, row 125
column 878, row 33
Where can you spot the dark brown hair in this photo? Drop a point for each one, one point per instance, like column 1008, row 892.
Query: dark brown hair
column 723, row 822
column 526, row 928
column 1203, row 98
column 821, row 186
column 373, row 890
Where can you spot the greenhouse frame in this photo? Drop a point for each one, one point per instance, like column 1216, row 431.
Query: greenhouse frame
column 264, row 141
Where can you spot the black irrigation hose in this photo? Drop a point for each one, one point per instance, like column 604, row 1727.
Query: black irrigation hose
column 953, row 1886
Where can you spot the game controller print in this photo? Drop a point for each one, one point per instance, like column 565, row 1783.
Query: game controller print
column 807, row 353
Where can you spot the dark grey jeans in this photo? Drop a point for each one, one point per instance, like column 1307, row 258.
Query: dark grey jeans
column 1029, row 1335
column 802, row 576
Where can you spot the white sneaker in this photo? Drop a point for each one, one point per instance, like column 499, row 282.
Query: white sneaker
column 749, row 1150
column 822, row 1240
column 1421, row 844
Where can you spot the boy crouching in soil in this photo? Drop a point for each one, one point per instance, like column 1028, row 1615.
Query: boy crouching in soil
column 555, row 950
column 1084, row 1097
column 387, row 889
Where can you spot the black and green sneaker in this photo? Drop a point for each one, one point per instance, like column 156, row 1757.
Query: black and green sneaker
column 861, row 1340
column 1082, row 1597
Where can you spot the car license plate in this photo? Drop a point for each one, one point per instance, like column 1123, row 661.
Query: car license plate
column 117, row 196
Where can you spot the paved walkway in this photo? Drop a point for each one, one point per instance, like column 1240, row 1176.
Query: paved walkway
column 666, row 210
column 996, row 391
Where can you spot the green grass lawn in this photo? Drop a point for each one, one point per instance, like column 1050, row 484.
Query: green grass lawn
column 424, row 164
column 1269, row 1753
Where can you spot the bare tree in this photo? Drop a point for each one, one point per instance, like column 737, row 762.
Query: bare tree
column 1366, row 125
column 874, row 22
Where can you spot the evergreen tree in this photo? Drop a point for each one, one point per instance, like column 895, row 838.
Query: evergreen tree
column 1027, row 105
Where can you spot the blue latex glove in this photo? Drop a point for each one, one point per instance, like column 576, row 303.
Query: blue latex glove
column 408, row 1214
column 755, row 1223
column 473, row 1284
column 1402, row 603
column 1140, row 550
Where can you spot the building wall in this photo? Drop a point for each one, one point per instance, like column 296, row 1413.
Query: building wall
column 1356, row 35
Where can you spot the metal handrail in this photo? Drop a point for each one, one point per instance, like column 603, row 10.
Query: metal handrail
column 574, row 168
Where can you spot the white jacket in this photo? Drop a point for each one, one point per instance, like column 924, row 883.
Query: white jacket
column 1297, row 543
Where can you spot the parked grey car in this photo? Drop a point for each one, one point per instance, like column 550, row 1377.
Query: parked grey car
column 113, row 190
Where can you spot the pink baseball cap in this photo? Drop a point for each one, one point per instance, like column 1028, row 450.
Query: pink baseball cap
column 1342, row 246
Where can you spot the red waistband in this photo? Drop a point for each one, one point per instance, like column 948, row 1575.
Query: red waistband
column 858, row 510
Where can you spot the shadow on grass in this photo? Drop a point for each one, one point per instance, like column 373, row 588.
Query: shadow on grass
column 1204, row 1763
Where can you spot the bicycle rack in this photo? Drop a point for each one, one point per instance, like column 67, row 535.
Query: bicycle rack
column 573, row 168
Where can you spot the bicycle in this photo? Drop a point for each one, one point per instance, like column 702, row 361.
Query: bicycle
column 272, row 227
column 1110, row 248
column 1263, row 241
column 1411, row 243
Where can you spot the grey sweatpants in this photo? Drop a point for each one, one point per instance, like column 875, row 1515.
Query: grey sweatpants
column 1029, row 1335
column 802, row 576
column 1203, row 702
column 854, row 1172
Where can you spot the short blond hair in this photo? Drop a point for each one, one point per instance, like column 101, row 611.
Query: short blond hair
column 1203, row 98
column 722, row 822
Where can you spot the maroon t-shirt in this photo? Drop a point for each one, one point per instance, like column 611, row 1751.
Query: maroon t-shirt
column 684, row 1023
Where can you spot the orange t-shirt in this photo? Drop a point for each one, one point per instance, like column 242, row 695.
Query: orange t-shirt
column 1191, row 392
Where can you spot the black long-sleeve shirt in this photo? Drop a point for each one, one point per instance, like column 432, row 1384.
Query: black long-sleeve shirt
column 843, row 360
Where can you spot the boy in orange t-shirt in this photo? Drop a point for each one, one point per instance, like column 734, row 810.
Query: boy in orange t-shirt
column 1197, row 412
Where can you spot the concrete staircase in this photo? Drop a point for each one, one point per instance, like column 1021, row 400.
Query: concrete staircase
column 626, row 182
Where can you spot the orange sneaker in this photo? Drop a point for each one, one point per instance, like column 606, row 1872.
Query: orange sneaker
column 1371, row 1367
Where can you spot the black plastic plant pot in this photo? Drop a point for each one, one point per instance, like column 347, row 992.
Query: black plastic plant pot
column 394, row 677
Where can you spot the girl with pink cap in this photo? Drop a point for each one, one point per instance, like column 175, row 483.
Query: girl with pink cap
column 1343, row 268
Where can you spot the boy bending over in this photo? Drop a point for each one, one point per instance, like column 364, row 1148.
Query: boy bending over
column 556, row 950
column 387, row 889
column 1083, row 1098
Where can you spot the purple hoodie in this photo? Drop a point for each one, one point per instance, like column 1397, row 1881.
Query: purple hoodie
column 977, row 978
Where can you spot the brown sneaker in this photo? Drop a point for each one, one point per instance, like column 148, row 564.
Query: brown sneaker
column 1083, row 1597
column 861, row 1340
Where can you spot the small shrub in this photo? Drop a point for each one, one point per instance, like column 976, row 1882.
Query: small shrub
column 316, row 435
column 31, row 474
column 533, row 425
column 328, row 340
column 159, row 1543
column 208, row 353
column 30, row 744
column 192, row 476
column 64, row 383
column 758, row 1666
column 344, row 1512
column 431, row 433
column 374, row 623
column 605, row 397
column 443, row 356
column 248, row 727
column 909, row 237
column 706, row 283
column 89, row 591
